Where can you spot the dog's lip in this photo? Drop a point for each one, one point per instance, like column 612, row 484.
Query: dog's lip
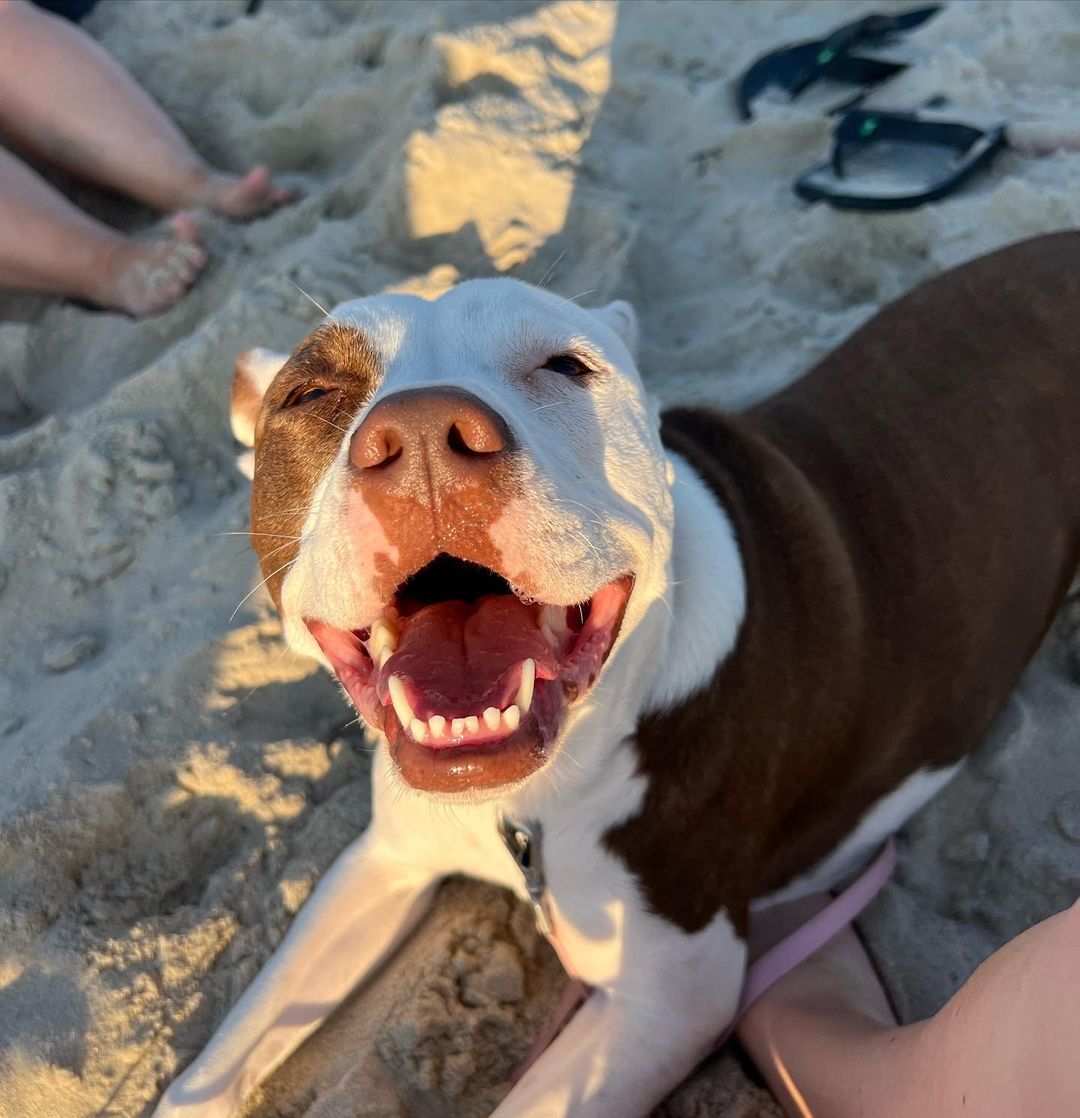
column 468, row 769
column 483, row 756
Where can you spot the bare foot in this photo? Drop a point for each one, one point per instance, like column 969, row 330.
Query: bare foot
column 242, row 197
column 144, row 277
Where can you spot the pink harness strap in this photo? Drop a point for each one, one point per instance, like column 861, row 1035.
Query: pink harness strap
column 763, row 972
column 796, row 948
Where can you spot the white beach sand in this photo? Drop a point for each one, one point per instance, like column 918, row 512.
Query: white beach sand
column 172, row 780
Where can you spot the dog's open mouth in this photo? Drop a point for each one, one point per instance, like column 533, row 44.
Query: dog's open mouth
column 469, row 683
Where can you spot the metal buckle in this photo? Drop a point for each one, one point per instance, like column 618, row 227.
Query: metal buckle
column 524, row 841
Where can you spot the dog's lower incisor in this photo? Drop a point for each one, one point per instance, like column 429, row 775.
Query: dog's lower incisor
column 712, row 658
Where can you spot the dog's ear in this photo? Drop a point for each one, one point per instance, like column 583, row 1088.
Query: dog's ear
column 252, row 374
column 255, row 369
column 620, row 317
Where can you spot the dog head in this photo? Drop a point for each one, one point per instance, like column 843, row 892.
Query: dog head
column 461, row 507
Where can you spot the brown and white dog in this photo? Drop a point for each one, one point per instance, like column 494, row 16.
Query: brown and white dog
column 715, row 658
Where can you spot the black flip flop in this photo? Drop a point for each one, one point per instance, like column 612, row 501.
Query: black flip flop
column 74, row 10
column 794, row 68
column 885, row 160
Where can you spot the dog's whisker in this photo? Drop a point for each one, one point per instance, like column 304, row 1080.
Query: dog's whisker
column 591, row 511
column 590, row 545
column 319, row 535
column 315, row 302
column 580, row 504
column 251, row 535
column 572, row 760
column 282, row 546
column 447, row 813
column 546, row 277
column 284, row 512
column 329, row 423
column 259, row 586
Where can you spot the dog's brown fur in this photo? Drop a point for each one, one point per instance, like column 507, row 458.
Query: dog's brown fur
column 289, row 466
column 908, row 516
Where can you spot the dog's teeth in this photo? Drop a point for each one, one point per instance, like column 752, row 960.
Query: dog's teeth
column 384, row 656
column 382, row 637
column 402, row 708
column 491, row 718
column 512, row 717
column 552, row 623
column 472, row 724
column 437, row 724
column 554, row 617
column 457, row 727
column 418, row 729
column 525, row 688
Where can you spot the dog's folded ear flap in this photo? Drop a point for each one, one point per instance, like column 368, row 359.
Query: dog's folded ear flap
column 620, row 317
column 255, row 369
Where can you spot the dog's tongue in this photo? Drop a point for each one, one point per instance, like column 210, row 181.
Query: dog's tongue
column 462, row 650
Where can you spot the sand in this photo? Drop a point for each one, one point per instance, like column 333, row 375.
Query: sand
column 172, row 779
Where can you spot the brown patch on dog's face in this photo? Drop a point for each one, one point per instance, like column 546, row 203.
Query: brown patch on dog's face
column 459, row 526
column 306, row 409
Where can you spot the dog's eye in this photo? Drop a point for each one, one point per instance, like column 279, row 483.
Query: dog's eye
column 567, row 365
column 304, row 394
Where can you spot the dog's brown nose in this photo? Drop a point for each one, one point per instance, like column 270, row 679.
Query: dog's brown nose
column 428, row 439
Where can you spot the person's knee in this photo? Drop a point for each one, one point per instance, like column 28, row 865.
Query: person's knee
column 1069, row 925
column 1060, row 932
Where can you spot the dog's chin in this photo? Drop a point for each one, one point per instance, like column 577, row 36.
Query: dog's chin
column 470, row 684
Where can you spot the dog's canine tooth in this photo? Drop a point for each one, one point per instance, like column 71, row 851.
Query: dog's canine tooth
column 491, row 718
column 457, row 727
column 384, row 656
column 437, row 725
column 552, row 625
column 524, row 696
column 472, row 724
column 402, row 709
column 512, row 717
column 382, row 637
column 554, row 617
column 418, row 729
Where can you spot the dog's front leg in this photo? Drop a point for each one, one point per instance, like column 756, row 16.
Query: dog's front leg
column 630, row 1044
column 360, row 911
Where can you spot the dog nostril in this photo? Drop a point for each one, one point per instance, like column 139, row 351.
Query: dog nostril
column 393, row 449
column 377, row 449
column 455, row 440
column 474, row 438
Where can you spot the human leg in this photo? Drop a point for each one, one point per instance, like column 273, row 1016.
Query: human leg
column 46, row 244
column 65, row 99
column 1003, row 1046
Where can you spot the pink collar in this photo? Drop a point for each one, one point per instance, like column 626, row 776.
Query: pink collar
column 763, row 973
